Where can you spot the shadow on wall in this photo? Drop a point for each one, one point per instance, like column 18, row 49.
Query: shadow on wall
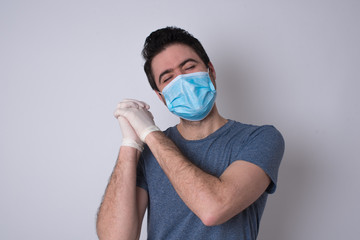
column 285, row 209
column 237, row 88
column 238, row 99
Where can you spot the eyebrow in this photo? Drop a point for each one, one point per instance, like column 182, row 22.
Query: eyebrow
column 180, row 65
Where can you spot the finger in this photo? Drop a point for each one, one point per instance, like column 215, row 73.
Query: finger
column 120, row 112
column 152, row 116
column 139, row 103
column 123, row 121
column 128, row 104
column 116, row 114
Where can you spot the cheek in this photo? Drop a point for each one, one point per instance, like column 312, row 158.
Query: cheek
column 213, row 80
column 161, row 97
column 163, row 85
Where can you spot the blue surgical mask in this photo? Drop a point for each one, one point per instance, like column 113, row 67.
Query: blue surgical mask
column 190, row 96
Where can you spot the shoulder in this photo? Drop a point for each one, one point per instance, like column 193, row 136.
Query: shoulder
column 259, row 144
column 170, row 131
column 263, row 146
column 267, row 135
column 252, row 133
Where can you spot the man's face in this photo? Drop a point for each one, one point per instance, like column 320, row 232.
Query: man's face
column 175, row 60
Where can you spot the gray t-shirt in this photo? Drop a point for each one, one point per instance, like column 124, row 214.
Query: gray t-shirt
column 169, row 217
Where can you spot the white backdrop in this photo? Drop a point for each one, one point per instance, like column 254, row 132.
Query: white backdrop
column 64, row 65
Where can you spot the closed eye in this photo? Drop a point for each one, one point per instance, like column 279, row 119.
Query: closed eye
column 167, row 79
column 190, row 67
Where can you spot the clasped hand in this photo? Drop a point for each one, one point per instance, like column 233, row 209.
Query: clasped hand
column 136, row 122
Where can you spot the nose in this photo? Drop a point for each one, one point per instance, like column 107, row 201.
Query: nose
column 178, row 72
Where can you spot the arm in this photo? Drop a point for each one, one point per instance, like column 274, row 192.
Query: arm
column 214, row 200
column 123, row 207
column 122, row 210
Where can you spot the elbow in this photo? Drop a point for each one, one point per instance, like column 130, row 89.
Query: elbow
column 212, row 211
column 212, row 218
column 101, row 232
column 209, row 221
column 218, row 213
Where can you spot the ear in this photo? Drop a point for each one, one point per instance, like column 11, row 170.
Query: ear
column 212, row 70
column 161, row 97
column 212, row 73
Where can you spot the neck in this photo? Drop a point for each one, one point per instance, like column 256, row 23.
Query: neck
column 196, row 130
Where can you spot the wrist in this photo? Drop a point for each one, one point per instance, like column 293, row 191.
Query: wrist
column 133, row 143
column 128, row 156
column 155, row 137
column 147, row 131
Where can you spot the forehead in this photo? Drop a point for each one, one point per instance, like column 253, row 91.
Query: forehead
column 171, row 57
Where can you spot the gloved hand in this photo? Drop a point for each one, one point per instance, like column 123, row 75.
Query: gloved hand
column 130, row 138
column 139, row 117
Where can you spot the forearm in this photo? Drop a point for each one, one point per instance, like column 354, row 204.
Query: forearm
column 118, row 213
column 199, row 190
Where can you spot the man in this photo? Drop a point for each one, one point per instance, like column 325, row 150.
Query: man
column 205, row 178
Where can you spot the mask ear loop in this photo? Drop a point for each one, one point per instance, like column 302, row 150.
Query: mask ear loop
column 162, row 97
column 211, row 77
column 209, row 72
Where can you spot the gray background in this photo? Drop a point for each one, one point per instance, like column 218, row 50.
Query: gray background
column 66, row 64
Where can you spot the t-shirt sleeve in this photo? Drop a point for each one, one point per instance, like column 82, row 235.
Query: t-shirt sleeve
column 265, row 148
column 140, row 174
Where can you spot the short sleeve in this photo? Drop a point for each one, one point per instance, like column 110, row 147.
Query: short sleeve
column 140, row 174
column 265, row 148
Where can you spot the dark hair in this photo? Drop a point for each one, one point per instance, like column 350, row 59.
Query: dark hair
column 158, row 40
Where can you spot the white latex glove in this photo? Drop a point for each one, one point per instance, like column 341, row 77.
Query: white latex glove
column 127, row 103
column 130, row 138
column 140, row 118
